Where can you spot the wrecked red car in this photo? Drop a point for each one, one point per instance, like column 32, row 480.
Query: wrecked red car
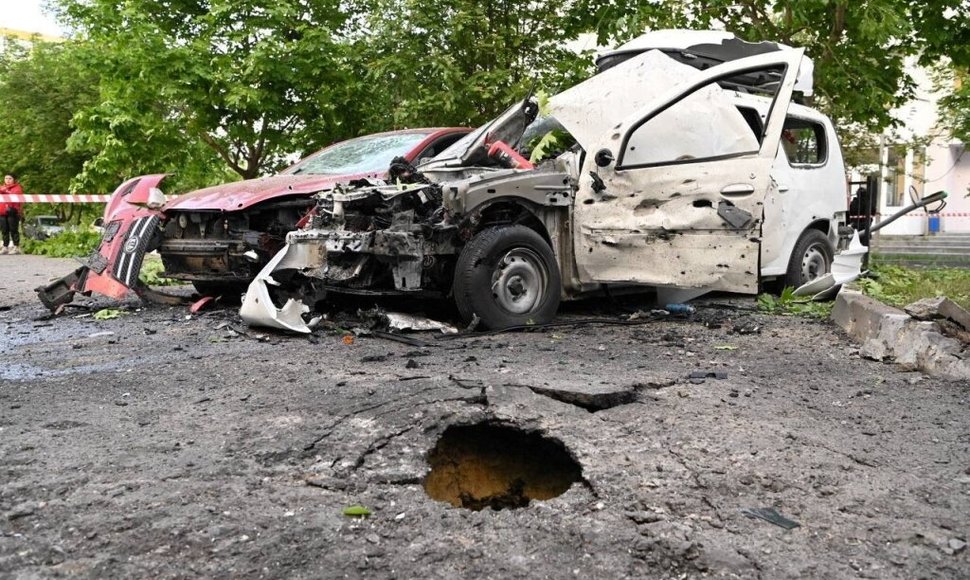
column 219, row 237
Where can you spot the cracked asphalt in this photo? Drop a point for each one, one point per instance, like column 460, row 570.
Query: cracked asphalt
column 164, row 444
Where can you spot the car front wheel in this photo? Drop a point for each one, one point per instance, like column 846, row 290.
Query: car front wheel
column 507, row 276
column 811, row 259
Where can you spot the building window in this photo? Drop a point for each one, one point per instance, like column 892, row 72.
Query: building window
column 895, row 182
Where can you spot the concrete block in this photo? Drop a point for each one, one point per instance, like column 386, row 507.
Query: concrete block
column 887, row 333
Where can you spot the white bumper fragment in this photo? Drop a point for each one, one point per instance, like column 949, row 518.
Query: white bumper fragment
column 258, row 308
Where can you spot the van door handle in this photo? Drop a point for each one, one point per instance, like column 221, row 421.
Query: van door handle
column 783, row 188
column 738, row 189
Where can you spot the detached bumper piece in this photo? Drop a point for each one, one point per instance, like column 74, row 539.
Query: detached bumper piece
column 99, row 273
column 258, row 307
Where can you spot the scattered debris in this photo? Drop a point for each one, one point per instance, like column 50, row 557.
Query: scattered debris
column 956, row 545
column 408, row 340
column 398, row 321
column 378, row 319
column 772, row 516
column 107, row 314
column 743, row 327
column 201, row 304
column 100, row 334
column 698, row 377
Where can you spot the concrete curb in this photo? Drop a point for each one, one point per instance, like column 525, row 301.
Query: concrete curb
column 889, row 334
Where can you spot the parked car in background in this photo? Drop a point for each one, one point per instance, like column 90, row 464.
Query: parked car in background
column 218, row 238
column 664, row 171
column 42, row 227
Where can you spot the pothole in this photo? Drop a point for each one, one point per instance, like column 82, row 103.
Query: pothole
column 497, row 466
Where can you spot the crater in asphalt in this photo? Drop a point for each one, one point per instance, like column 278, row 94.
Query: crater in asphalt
column 498, row 466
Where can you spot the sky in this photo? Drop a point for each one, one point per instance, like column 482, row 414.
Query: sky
column 28, row 16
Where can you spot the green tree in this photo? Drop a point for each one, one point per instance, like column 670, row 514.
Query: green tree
column 42, row 85
column 859, row 48
column 945, row 41
column 187, row 84
column 458, row 62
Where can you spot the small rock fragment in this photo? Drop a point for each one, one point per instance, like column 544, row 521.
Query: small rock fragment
column 957, row 545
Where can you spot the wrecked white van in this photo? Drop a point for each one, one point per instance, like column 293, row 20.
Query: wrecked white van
column 682, row 166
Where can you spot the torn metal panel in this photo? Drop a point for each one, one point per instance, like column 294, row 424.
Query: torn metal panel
column 705, row 48
column 670, row 212
column 260, row 309
column 689, row 259
column 399, row 321
column 605, row 100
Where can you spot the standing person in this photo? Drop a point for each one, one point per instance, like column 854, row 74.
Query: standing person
column 10, row 213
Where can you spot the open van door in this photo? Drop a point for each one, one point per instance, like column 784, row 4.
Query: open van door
column 672, row 195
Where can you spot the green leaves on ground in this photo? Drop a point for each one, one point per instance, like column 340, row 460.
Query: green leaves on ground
column 356, row 511
column 107, row 314
column 787, row 304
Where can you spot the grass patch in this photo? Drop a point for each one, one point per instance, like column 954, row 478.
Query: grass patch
column 899, row 286
column 67, row 244
column 789, row 305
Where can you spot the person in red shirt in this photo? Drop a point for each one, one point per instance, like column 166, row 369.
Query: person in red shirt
column 10, row 213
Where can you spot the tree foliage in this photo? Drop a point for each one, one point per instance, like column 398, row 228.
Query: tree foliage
column 945, row 43
column 859, row 48
column 217, row 89
column 42, row 85
column 458, row 62
column 250, row 81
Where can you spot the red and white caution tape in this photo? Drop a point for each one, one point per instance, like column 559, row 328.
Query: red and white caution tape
column 918, row 215
column 53, row 198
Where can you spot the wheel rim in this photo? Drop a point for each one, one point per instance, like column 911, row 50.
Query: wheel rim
column 520, row 281
column 815, row 263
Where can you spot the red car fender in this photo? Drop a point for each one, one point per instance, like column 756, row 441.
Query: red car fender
column 130, row 231
column 132, row 194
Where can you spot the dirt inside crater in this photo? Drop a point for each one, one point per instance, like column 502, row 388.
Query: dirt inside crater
column 498, row 466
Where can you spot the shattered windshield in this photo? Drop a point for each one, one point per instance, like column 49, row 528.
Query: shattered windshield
column 369, row 154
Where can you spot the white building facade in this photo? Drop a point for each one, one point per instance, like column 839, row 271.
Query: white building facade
column 942, row 164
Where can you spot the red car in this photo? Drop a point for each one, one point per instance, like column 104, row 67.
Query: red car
column 219, row 237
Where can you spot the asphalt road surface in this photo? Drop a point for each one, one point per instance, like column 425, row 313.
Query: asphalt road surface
column 171, row 445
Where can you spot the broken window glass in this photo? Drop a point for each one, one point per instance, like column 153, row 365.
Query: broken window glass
column 705, row 124
column 803, row 142
column 369, row 154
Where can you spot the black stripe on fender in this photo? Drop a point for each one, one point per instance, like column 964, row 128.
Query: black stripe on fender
column 133, row 251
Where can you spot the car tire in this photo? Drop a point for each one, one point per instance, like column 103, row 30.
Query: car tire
column 507, row 276
column 811, row 259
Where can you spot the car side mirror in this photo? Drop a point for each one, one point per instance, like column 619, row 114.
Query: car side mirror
column 603, row 158
column 99, row 223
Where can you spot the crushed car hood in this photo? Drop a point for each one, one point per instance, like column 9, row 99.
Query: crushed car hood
column 240, row 195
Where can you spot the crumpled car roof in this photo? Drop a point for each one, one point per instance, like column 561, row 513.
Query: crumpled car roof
column 716, row 45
